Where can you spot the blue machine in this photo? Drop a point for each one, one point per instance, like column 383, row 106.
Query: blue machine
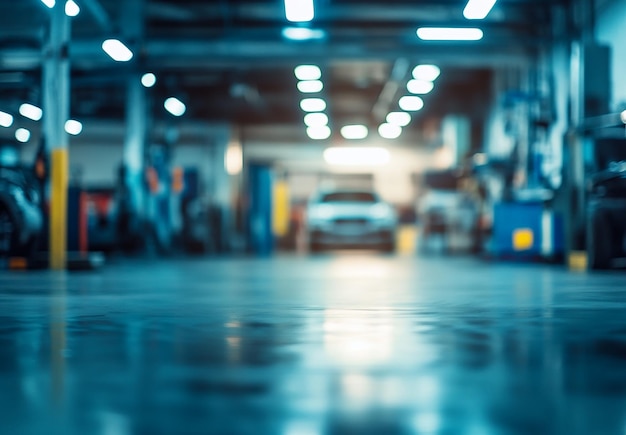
column 526, row 230
column 260, row 232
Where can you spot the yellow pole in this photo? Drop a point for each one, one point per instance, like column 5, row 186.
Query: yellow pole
column 58, row 208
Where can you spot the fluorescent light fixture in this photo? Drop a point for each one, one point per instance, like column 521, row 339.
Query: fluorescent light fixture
column 354, row 132
column 31, row 111
column 298, row 11
column 117, row 50
column 318, row 133
column 310, row 86
column 175, row 106
column 427, row 73
column 148, row 80
column 411, row 103
column 233, row 160
column 356, row 156
column 401, row 119
column 419, row 87
column 303, row 33
column 308, row 72
column 478, row 9
column 22, row 135
column 6, row 119
column 316, row 119
column 73, row 127
column 449, row 33
column 49, row 3
column 313, row 105
column 71, row 8
column 389, row 131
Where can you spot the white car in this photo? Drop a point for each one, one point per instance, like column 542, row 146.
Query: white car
column 350, row 218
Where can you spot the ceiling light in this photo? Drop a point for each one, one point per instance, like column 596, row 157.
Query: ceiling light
column 303, row 33
column 478, row 9
column 117, row 50
column 22, row 135
column 310, row 86
column 354, row 132
column 175, row 106
column 411, row 104
column 401, row 119
column 6, row 119
column 419, row 87
column 31, row 112
column 71, row 8
column 427, row 73
column 148, row 80
column 389, row 131
column 318, row 133
column 307, row 72
column 49, row 3
column 313, row 105
column 449, row 34
column 623, row 116
column 299, row 10
column 316, row 119
column 356, row 156
column 73, row 127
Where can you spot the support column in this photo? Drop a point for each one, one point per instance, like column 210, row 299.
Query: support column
column 134, row 144
column 133, row 158
column 56, row 102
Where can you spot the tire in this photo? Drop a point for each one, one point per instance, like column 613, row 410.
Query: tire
column 599, row 241
column 8, row 235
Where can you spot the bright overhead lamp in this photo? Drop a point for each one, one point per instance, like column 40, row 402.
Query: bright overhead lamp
column 354, row 132
column 148, row 80
column 117, row 50
column 49, row 3
column 175, row 106
column 356, row 156
column 310, row 86
column 411, row 103
column 318, row 133
column 73, row 127
column 315, row 119
column 6, row 119
column 299, row 11
column 478, row 9
column 389, row 131
column 31, row 111
column 401, row 119
column 623, row 116
column 427, row 73
column 449, row 33
column 22, row 135
column 71, row 8
column 307, row 72
column 313, row 105
column 303, row 33
column 419, row 87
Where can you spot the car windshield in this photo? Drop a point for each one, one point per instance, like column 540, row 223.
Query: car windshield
column 348, row 197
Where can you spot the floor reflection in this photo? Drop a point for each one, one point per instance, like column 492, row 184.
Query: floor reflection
column 332, row 345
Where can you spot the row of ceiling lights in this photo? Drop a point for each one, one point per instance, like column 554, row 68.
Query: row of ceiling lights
column 309, row 81
column 303, row 11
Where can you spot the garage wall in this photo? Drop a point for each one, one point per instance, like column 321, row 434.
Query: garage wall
column 611, row 30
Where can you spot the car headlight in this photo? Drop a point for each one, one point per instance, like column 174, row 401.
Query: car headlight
column 320, row 213
column 382, row 212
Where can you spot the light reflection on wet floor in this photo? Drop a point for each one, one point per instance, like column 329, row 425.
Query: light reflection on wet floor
column 296, row 346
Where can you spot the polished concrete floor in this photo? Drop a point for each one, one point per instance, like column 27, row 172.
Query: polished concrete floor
column 334, row 344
